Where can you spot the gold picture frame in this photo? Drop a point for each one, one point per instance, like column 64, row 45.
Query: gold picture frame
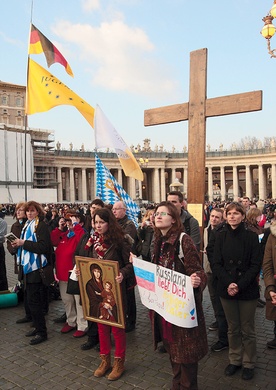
column 101, row 295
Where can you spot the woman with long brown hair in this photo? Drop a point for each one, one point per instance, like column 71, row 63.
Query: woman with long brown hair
column 185, row 346
column 109, row 243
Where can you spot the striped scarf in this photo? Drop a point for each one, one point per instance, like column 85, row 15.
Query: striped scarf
column 30, row 260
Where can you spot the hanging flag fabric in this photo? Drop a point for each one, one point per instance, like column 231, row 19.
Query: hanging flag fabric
column 106, row 136
column 39, row 44
column 45, row 91
column 110, row 191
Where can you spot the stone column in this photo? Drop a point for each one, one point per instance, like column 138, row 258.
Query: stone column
column 235, row 183
column 93, row 184
column 163, row 184
column 262, row 189
column 248, row 182
column 72, row 185
column 120, row 177
column 185, row 181
column 67, row 184
column 132, row 188
column 173, row 175
column 59, row 186
column 222, row 184
column 83, row 185
column 273, row 180
column 210, row 183
column 156, row 186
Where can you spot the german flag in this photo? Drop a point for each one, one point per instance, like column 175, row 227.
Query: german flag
column 39, row 44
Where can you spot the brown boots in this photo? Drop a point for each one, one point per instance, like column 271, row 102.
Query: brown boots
column 117, row 370
column 103, row 367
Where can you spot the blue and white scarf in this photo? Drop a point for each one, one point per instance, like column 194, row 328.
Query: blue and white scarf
column 29, row 260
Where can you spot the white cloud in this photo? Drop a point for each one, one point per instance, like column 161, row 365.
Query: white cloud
column 121, row 57
column 89, row 5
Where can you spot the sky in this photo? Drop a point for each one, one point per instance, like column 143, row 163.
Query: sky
column 131, row 55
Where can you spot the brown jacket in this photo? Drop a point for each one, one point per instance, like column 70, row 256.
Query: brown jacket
column 189, row 345
column 269, row 270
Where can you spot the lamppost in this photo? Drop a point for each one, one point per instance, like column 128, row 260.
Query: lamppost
column 269, row 29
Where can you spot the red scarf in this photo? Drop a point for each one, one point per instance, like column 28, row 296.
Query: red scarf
column 98, row 242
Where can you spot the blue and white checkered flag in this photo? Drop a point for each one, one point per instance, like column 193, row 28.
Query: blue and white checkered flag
column 110, row 191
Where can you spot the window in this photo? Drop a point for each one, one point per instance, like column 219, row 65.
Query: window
column 18, row 102
column 4, row 100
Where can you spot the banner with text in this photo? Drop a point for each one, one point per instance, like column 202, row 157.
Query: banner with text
column 167, row 292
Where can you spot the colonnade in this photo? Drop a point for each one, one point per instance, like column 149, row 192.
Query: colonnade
column 223, row 182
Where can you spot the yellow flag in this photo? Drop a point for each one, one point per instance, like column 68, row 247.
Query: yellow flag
column 45, row 91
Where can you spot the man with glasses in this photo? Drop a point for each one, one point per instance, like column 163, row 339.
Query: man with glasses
column 190, row 224
column 128, row 226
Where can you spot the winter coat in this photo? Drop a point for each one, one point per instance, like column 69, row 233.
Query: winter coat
column 237, row 259
column 191, row 227
column 189, row 345
column 65, row 249
column 269, row 270
column 145, row 234
column 42, row 246
column 16, row 229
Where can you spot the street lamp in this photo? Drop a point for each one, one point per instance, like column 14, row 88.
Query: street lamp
column 269, row 29
column 143, row 162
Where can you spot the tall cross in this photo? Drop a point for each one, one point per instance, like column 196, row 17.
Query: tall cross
column 196, row 111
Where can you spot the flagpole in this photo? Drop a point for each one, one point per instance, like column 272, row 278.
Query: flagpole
column 26, row 116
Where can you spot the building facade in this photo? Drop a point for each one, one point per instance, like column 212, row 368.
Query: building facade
column 56, row 175
column 228, row 175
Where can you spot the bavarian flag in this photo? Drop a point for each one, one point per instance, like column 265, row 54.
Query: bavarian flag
column 110, row 191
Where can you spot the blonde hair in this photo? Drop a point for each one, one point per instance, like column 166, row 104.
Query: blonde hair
column 146, row 217
column 252, row 215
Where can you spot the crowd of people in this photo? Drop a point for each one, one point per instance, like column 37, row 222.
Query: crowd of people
column 238, row 248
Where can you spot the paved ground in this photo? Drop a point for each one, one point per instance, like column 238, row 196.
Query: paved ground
column 60, row 364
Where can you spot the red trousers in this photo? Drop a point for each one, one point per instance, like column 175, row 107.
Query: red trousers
column 105, row 340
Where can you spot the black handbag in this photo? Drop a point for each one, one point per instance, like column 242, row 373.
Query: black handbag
column 46, row 274
column 73, row 286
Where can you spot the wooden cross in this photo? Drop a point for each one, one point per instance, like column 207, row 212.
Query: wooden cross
column 196, row 111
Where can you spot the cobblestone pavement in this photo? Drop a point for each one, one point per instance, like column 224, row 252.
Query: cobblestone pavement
column 59, row 363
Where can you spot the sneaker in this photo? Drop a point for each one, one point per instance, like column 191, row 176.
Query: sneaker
column 79, row 333
column 272, row 344
column 247, row 373
column 38, row 339
column 213, row 326
column 231, row 369
column 67, row 328
column 219, row 346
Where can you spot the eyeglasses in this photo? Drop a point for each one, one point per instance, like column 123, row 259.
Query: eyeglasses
column 121, row 208
column 161, row 213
